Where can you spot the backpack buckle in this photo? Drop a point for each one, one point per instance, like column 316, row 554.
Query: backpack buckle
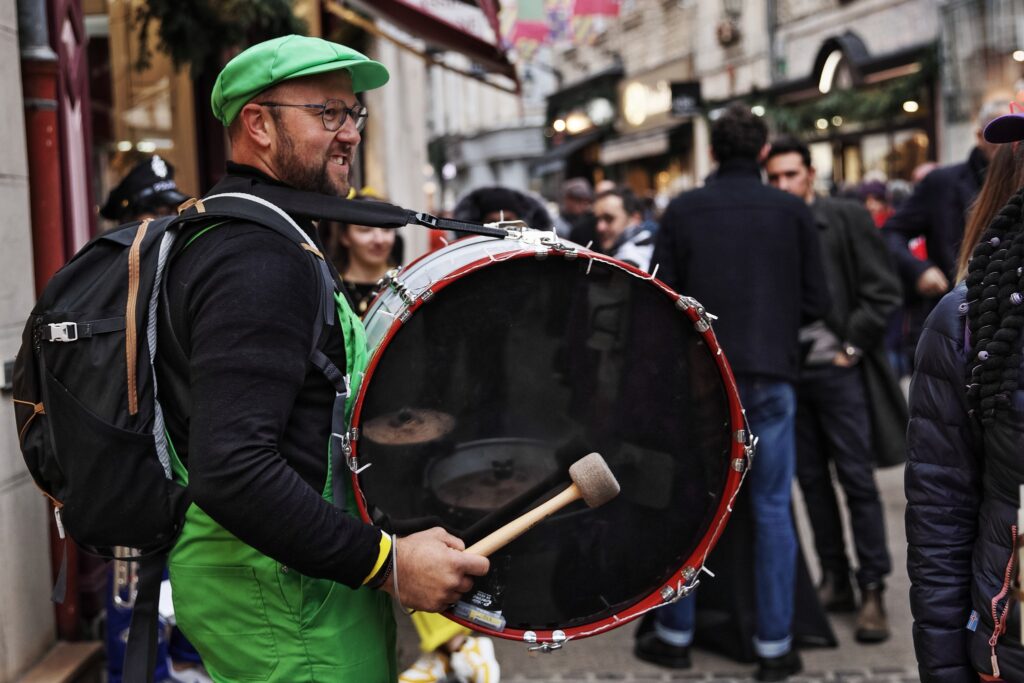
column 63, row 332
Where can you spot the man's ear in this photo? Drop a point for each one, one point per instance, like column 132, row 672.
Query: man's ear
column 763, row 154
column 255, row 124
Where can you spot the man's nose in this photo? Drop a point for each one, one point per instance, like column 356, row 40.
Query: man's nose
column 348, row 132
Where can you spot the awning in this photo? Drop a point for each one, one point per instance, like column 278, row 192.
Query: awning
column 636, row 146
column 553, row 160
column 440, row 34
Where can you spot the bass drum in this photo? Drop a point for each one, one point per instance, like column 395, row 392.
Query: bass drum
column 496, row 364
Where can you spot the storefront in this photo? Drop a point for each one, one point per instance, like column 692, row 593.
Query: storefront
column 579, row 117
column 863, row 116
column 652, row 151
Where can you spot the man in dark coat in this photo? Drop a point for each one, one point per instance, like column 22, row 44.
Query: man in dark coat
column 937, row 212
column 749, row 253
column 833, row 409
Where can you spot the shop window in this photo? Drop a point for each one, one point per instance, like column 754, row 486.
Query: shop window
column 147, row 111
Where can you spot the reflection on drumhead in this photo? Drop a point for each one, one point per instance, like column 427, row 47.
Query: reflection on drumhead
column 539, row 362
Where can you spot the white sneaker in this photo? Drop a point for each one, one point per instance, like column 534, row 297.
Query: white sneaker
column 474, row 662
column 431, row 667
column 189, row 674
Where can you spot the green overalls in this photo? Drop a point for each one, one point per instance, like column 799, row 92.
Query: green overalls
column 253, row 619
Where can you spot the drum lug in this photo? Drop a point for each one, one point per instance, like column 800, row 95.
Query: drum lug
column 351, row 459
column 743, row 436
column 392, row 282
column 704, row 319
column 558, row 640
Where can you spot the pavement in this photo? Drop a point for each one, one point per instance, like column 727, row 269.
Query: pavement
column 609, row 657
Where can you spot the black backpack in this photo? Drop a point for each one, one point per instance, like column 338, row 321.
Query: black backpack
column 91, row 427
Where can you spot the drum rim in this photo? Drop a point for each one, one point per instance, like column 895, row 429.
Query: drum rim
column 738, row 454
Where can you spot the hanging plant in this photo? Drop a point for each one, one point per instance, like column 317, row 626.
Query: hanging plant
column 866, row 106
column 197, row 32
column 871, row 105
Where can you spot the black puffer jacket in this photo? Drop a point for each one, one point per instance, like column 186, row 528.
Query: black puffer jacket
column 962, row 497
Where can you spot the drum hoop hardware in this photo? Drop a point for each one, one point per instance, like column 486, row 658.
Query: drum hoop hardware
column 558, row 640
column 351, row 459
column 391, row 281
column 749, row 441
column 704, row 319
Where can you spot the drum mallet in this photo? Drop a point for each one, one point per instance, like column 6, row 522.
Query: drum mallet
column 591, row 480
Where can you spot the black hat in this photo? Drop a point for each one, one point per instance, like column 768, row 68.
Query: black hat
column 148, row 186
column 484, row 200
column 1006, row 128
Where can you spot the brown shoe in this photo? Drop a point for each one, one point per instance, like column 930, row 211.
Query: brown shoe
column 872, row 624
column 835, row 592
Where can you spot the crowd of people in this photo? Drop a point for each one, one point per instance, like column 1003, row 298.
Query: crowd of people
column 818, row 299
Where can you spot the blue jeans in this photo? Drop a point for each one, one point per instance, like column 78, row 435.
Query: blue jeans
column 771, row 410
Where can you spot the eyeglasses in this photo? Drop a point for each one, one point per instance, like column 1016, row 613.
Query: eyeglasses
column 332, row 112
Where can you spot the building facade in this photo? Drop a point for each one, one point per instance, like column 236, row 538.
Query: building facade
column 845, row 75
column 27, row 616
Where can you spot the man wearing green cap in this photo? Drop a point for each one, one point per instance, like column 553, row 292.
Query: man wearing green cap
column 271, row 580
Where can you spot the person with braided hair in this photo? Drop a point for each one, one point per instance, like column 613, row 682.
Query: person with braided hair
column 964, row 443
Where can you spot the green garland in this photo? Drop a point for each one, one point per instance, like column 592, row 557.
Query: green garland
column 198, row 32
column 875, row 105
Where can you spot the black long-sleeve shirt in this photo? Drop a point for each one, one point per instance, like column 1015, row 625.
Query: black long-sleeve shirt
column 247, row 412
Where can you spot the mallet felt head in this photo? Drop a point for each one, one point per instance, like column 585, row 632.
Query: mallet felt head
column 595, row 481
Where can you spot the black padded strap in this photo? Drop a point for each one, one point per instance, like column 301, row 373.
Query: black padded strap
column 335, row 376
column 140, row 653
column 318, row 206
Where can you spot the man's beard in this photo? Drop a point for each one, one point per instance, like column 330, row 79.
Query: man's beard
column 304, row 174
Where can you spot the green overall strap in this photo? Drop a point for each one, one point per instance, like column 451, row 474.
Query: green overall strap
column 340, row 448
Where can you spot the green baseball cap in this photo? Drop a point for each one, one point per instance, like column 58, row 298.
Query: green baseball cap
column 280, row 59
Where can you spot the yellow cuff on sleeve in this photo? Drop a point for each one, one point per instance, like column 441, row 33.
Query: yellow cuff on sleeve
column 382, row 556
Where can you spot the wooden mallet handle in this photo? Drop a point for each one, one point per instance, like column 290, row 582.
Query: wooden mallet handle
column 592, row 482
column 498, row 539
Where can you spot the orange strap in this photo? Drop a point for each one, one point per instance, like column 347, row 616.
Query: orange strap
column 131, row 351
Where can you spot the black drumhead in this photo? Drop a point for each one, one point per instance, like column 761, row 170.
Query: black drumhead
column 507, row 376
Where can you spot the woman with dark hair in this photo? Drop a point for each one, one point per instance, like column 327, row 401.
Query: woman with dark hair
column 965, row 442
column 361, row 254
